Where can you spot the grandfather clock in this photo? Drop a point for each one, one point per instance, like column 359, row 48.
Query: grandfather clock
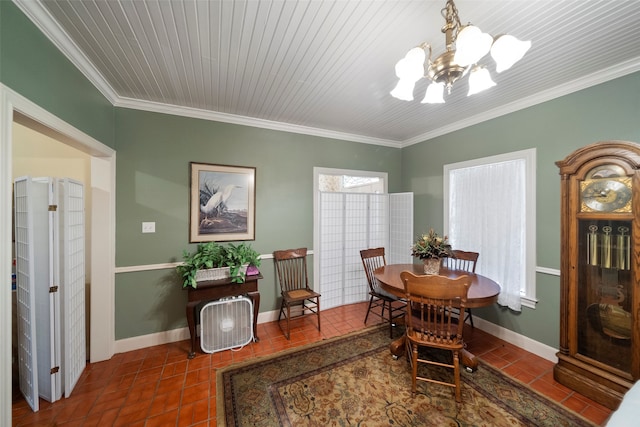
column 600, row 271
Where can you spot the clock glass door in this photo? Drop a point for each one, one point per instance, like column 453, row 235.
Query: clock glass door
column 604, row 292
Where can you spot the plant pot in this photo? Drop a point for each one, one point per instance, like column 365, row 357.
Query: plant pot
column 213, row 274
column 431, row 265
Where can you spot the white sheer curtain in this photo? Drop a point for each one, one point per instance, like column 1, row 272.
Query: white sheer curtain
column 487, row 215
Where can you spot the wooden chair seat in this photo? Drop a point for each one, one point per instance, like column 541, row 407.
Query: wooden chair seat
column 300, row 294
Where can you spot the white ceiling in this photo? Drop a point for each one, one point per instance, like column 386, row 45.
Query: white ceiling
column 327, row 67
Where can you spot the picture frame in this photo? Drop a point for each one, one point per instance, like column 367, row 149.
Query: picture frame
column 222, row 203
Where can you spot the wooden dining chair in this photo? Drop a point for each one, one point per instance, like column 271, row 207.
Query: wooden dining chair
column 291, row 267
column 430, row 323
column 462, row 260
column 393, row 306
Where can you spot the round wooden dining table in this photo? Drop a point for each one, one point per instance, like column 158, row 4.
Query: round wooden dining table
column 482, row 292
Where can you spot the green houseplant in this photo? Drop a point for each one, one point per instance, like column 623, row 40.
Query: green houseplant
column 431, row 245
column 430, row 248
column 238, row 258
column 213, row 255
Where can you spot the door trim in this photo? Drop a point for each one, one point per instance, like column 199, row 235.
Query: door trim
column 15, row 106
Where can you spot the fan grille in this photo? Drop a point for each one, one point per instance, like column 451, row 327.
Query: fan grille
column 226, row 324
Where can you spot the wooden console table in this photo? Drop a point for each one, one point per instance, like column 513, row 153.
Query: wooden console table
column 217, row 289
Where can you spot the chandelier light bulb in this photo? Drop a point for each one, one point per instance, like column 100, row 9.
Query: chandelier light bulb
column 471, row 45
column 479, row 80
column 403, row 90
column 409, row 70
column 434, row 94
column 416, row 56
column 507, row 50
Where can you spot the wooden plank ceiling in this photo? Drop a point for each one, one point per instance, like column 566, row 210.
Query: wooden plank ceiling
column 327, row 67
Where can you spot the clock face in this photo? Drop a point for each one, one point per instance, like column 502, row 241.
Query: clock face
column 606, row 195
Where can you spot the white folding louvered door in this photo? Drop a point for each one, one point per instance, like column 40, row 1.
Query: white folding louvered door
column 400, row 228
column 350, row 222
column 49, row 257
column 226, row 324
column 46, row 283
column 331, row 250
column 379, row 218
column 26, row 307
column 72, row 271
column 355, row 238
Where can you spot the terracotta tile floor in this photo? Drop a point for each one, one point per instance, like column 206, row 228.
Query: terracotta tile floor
column 159, row 386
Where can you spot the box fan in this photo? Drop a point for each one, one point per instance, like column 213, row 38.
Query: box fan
column 225, row 324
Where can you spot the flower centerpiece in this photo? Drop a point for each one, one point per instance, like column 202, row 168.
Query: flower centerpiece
column 431, row 248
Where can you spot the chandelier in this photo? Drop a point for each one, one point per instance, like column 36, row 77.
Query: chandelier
column 471, row 45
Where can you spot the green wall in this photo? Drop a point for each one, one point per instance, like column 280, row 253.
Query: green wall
column 154, row 152
column 556, row 128
column 32, row 66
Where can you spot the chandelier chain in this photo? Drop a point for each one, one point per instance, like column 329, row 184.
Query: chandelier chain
column 452, row 22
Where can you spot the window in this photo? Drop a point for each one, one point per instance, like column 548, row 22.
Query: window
column 345, row 181
column 489, row 207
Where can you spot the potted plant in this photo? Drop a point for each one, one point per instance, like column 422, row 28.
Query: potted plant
column 212, row 261
column 239, row 258
column 431, row 248
column 207, row 256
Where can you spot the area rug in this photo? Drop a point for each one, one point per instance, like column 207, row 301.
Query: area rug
column 354, row 381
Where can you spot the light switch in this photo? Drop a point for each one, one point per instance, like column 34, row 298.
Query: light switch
column 148, row 227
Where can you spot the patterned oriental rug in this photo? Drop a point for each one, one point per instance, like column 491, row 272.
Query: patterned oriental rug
column 354, row 381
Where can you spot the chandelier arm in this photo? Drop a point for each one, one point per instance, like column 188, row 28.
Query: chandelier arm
column 427, row 61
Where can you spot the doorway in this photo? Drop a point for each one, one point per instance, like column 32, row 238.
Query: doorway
column 14, row 108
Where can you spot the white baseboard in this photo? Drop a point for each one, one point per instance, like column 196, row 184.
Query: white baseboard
column 159, row 338
column 526, row 343
column 143, row 341
column 532, row 346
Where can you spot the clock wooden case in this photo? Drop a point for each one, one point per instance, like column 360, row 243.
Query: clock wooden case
column 600, row 271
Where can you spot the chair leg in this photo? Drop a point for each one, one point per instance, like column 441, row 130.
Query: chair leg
column 281, row 311
column 414, row 370
column 470, row 316
column 390, row 320
column 456, row 374
column 368, row 309
column 318, row 311
column 288, row 334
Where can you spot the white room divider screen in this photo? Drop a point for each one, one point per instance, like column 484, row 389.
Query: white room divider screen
column 49, row 233
column 350, row 222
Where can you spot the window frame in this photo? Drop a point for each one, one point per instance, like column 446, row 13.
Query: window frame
column 528, row 294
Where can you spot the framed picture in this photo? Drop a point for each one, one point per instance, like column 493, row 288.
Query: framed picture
column 223, row 203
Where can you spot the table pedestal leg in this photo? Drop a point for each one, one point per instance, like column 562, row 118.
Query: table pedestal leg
column 397, row 347
column 469, row 360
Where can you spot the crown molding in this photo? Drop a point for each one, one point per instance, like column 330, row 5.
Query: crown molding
column 43, row 20
column 52, row 30
column 197, row 113
column 602, row 76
